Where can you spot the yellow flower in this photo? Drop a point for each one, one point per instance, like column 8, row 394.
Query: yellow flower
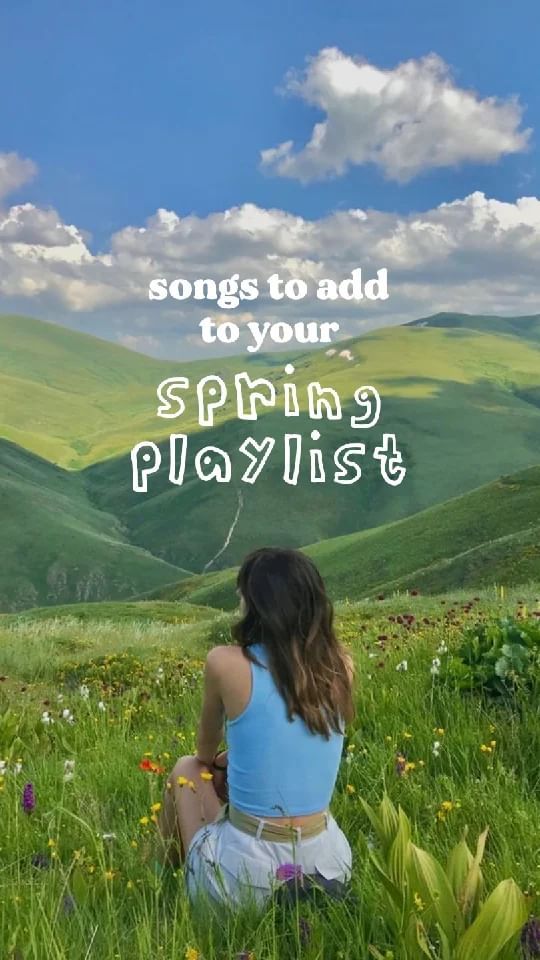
column 388, row 739
column 192, row 786
column 493, row 743
column 109, row 874
column 182, row 781
column 447, row 805
column 486, row 749
column 418, row 902
column 129, row 885
column 407, row 735
column 155, row 808
column 439, row 731
column 191, row 954
column 350, row 789
column 409, row 767
column 144, row 821
column 51, row 843
column 134, row 844
column 206, row 775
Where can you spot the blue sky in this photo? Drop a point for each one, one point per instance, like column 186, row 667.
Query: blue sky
column 127, row 107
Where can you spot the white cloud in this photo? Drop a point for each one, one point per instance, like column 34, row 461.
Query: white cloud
column 476, row 254
column 404, row 120
column 14, row 171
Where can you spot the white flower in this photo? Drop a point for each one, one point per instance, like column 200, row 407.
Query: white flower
column 436, row 748
column 69, row 768
column 435, row 667
column 442, row 648
column 68, row 716
column 84, row 691
column 17, row 767
column 60, row 697
column 402, row 666
column 3, row 767
column 101, row 706
column 46, row 717
column 108, row 837
column 372, row 656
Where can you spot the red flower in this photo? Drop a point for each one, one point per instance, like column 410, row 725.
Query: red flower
column 150, row 767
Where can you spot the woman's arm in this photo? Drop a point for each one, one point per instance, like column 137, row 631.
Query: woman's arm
column 210, row 732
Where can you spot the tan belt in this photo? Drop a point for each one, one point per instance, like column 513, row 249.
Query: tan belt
column 276, row 832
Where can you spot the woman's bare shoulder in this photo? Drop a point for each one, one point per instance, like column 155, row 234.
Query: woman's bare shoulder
column 224, row 657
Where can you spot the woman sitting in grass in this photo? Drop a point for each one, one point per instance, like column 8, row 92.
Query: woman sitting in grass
column 283, row 693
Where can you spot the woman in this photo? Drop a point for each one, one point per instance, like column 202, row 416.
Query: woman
column 283, row 693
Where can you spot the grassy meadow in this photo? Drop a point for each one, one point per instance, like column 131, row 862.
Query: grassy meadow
column 89, row 692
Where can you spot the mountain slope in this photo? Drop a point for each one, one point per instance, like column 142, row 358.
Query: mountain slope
column 57, row 547
column 489, row 535
column 455, row 402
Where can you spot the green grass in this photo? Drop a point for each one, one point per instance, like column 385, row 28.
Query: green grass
column 490, row 535
column 120, row 908
column 57, row 546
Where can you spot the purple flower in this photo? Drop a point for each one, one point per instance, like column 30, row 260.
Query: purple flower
column 530, row 938
column 28, row 800
column 289, row 871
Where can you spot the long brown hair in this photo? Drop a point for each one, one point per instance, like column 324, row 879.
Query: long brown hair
column 287, row 609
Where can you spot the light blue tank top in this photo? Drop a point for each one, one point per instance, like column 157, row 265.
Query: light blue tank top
column 277, row 767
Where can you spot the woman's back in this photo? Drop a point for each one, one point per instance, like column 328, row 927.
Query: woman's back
column 276, row 766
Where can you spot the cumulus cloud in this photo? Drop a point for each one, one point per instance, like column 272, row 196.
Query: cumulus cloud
column 405, row 120
column 14, row 171
column 476, row 254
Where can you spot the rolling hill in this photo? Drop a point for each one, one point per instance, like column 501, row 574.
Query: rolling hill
column 461, row 393
column 490, row 535
column 57, row 547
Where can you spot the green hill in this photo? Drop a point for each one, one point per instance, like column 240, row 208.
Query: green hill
column 490, row 535
column 57, row 547
column 461, row 393
column 455, row 399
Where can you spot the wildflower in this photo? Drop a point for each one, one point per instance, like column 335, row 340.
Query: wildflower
column 69, row 767
column 150, row 767
column 84, row 691
column 101, row 706
column 401, row 764
column 155, row 808
column 407, row 735
column 436, row 749
column 109, row 875
column 17, row 767
column 192, row 954
column 435, row 668
column 418, row 902
column 68, row 716
column 3, row 767
column 46, row 718
column 289, row 871
column 108, row 837
column 206, row 775
column 51, row 843
column 129, row 885
column 485, row 749
column 442, row 648
column 182, row 781
column 409, row 767
column 28, row 800
column 402, row 666
column 144, row 821
column 439, row 731
column 350, row 789
column 530, row 939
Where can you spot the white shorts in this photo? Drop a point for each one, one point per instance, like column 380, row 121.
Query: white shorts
column 227, row 866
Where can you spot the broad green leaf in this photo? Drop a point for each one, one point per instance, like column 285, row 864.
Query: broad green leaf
column 396, row 895
column 398, row 856
column 469, row 897
column 429, row 879
column 389, row 821
column 459, row 863
column 373, row 818
column 500, row 919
